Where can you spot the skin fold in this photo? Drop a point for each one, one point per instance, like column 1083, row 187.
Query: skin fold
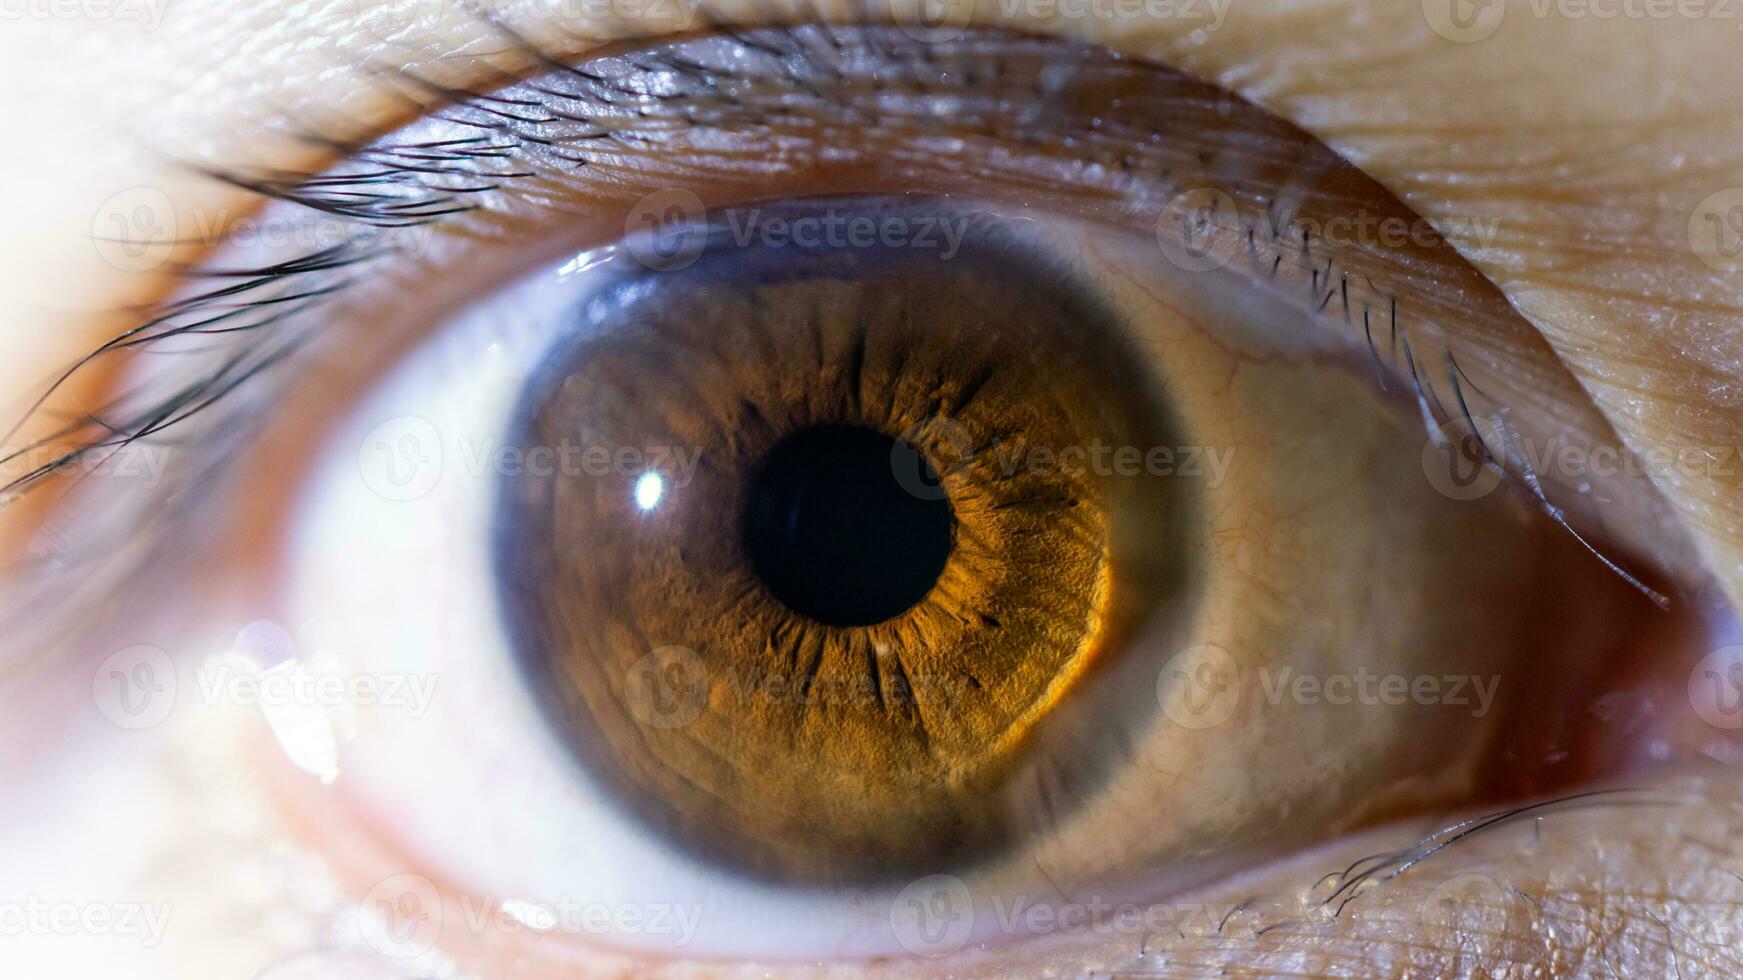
column 1595, row 142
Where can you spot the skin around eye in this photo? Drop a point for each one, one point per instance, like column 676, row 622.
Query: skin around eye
column 1414, row 95
column 1328, row 501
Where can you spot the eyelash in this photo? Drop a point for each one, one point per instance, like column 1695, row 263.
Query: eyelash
column 385, row 190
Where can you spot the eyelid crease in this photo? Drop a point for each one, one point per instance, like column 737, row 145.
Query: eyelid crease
column 387, row 191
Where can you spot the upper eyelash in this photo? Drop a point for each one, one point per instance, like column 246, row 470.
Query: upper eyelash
column 386, row 188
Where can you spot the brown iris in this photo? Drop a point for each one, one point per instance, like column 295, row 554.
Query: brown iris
column 822, row 645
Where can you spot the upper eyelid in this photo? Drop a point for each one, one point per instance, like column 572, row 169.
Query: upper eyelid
column 506, row 114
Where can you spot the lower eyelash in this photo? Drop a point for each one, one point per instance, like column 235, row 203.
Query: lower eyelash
column 260, row 319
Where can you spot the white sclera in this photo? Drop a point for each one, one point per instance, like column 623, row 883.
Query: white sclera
column 391, row 571
column 477, row 788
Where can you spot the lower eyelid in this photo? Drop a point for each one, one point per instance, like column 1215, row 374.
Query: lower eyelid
column 1555, row 889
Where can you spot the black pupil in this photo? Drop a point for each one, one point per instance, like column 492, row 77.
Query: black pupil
column 847, row 526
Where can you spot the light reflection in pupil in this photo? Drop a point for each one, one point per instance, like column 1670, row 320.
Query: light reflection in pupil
column 649, row 488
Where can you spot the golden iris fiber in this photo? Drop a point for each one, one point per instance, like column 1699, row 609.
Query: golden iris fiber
column 815, row 752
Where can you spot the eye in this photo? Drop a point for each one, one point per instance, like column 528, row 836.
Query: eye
column 831, row 421
column 816, row 475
